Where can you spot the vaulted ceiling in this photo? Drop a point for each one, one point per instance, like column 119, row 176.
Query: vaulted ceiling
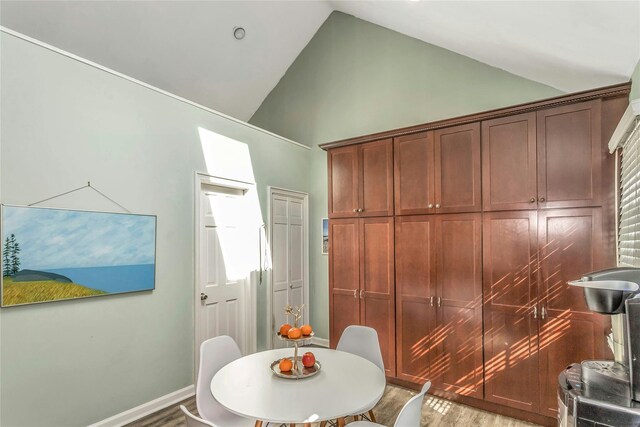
column 187, row 47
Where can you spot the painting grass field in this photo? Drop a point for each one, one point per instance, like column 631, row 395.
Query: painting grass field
column 44, row 290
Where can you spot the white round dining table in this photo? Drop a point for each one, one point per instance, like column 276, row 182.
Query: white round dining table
column 346, row 385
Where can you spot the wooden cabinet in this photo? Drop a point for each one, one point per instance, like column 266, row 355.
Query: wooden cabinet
column 509, row 170
column 535, row 324
column 548, row 159
column 362, row 280
column 569, row 155
column 439, row 301
column 361, row 180
column 438, row 172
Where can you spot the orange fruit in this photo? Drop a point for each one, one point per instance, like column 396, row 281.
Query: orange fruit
column 306, row 330
column 294, row 333
column 285, row 365
column 284, row 329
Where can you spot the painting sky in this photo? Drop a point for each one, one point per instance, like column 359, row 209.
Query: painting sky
column 53, row 238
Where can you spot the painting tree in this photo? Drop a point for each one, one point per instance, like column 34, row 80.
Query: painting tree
column 10, row 256
column 6, row 258
column 15, row 255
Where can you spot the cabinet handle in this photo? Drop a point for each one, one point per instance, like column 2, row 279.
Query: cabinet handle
column 437, row 205
column 541, row 199
column 430, row 205
column 362, row 294
column 439, row 302
column 542, row 313
column 535, row 312
column 355, row 293
column 532, row 200
column 431, row 300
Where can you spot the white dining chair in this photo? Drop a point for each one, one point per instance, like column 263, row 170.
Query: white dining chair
column 409, row 415
column 362, row 341
column 214, row 354
column 193, row 421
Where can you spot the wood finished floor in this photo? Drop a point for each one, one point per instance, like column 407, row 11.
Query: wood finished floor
column 435, row 412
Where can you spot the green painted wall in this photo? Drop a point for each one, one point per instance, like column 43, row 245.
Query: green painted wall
column 356, row 78
column 63, row 123
column 635, row 83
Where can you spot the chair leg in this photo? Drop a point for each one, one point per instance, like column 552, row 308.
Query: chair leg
column 371, row 416
column 340, row 422
column 323, row 424
column 258, row 423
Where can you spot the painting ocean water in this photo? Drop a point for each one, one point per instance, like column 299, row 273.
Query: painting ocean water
column 113, row 279
column 60, row 254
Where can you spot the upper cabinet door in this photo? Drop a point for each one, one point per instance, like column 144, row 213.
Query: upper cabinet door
column 376, row 178
column 414, row 180
column 343, row 182
column 569, row 156
column 457, row 169
column 509, row 163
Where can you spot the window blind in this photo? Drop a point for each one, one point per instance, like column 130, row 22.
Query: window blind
column 629, row 221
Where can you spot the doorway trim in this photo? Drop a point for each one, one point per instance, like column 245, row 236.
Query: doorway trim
column 203, row 180
column 272, row 190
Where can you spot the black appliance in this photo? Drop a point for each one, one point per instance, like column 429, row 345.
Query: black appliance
column 599, row 393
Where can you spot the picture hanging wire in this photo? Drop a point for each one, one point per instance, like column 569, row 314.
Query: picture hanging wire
column 78, row 189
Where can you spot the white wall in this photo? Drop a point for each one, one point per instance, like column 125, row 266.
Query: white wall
column 64, row 123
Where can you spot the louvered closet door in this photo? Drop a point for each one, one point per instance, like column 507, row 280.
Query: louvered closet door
column 415, row 288
column 377, row 290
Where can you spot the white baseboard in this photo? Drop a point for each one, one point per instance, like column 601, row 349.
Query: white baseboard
column 323, row 342
column 145, row 409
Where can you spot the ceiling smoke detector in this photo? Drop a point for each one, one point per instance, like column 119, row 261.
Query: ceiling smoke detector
column 239, row 33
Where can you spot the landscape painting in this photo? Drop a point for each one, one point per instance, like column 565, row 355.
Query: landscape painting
column 57, row 254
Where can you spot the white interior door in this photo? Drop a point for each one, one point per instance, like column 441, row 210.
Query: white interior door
column 223, row 283
column 289, row 239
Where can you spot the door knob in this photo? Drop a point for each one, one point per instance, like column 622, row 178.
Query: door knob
column 541, row 199
column 532, row 200
column 290, row 286
column 203, row 296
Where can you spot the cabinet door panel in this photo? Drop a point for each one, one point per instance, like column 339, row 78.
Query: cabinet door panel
column 565, row 339
column 376, row 181
column 415, row 284
column 509, row 163
column 377, row 279
column 510, row 292
column 343, row 182
column 569, row 155
column 413, row 171
column 458, row 364
column 570, row 242
column 570, row 245
column 511, row 359
column 457, row 169
column 344, row 276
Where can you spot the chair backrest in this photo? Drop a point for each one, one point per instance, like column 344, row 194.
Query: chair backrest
column 362, row 341
column 214, row 354
column 410, row 414
column 193, row 421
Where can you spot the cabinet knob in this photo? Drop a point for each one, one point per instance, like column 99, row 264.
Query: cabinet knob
column 439, row 301
column 362, row 294
column 431, row 300
column 437, row 205
column 355, row 293
column 541, row 199
column 355, row 210
column 360, row 210
column 532, row 200
column 430, row 205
